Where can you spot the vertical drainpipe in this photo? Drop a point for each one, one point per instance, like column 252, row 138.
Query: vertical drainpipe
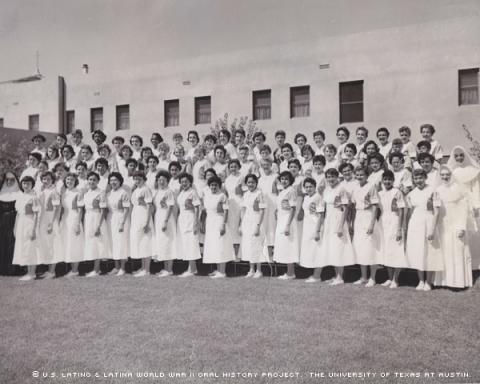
column 62, row 97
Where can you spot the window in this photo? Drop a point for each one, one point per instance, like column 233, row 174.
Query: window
column 300, row 101
column 468, row 86
column 34, row 122
column 262, row 104
column 123, row 117
column 70, row 121
column 203, row 110
column 172, row 113
column 96, row 119
column 1, row 122
column 351, row 102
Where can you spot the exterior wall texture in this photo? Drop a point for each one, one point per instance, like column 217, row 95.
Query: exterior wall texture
column 410, row 77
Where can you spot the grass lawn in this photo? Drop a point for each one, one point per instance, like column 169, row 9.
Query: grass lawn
column 126, row 324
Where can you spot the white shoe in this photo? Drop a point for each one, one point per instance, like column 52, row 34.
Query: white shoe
column 359, row 281
column 337, row 282
column 141, row 273
column 249, row 274
column 114, row 271
column 27, row 277
column 387, row 283
column 91, row 274
column 71, row 274
column 219, row 275
column 393, row 285
column 286, row 277
column 329, row 281
column 312, row 279
column 120, row 272
column 213, row 273
column 370, row 283
column 420, row 286
column 164, row 273
column 257, row 275
column 48, row 275
column 186, row 274
column 427, row 287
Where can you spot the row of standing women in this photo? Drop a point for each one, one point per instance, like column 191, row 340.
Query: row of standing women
column 254, row 214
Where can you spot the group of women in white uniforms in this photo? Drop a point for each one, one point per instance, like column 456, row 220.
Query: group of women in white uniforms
column 224, row 203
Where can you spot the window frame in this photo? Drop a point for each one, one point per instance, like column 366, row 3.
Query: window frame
column 92, row 121
column 461, row 87
column 30, row 126
column 296, row 91
column 256, row 108
column 69, row 128
column 342, row 104
column 198, row 119
column 119, row 109
column 166, row 116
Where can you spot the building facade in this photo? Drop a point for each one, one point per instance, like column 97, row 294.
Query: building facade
column 411, row 75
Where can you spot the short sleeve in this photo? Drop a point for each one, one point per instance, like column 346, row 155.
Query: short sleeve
column 292, row 198
column 195, row 199
column 56, row 197
column 400, row 200
column 102, row 200
column 224, row 202
column 35, row 204
column 261, row 201
column 170, row 198
column 320, row 204
column 126, row 200
column 147, row 195
column 374, row 199
column 436, row 200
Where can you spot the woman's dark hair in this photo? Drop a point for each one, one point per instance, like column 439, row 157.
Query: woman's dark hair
column 95, row 174
column 288, row 175
column 70, row 174
column 185, row 175
column 175, row 164
column 345, row 130
column 163, row 173
column 309, row 180
column 296, row 162
column 332, row 172
column 152, row 157
column 46, row 174
column 251, row 176
column 27, row 179
column 214, row 180
column 220, row 147
column 117, row 175
column 234, row 161
column 319, row 159
column 388, row 175
column 136, row 137
column 140, row 174
column 69, row 148
column 36, row 155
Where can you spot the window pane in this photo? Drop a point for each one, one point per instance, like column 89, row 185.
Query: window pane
column 351, row 91
column 202, row 110
column 123, row 117
column 34, row 122
column 300, row 101
column 96, row 119
column 172, row 113
column 262, row 104
column 351, row 102
column 70, row 121
column 468, row 86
